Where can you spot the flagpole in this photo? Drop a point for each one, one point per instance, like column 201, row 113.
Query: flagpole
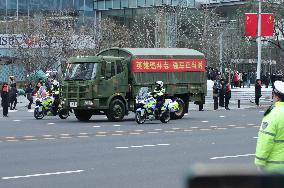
column 259, row 41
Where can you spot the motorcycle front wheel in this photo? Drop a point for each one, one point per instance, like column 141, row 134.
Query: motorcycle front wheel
column 165, row 117
column 63, row 113
column 139, row 118
column 38, row 114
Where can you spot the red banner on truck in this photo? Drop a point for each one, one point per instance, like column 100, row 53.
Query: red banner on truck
column 168, row 65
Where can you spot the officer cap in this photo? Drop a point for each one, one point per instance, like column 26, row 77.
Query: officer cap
column 279, row 87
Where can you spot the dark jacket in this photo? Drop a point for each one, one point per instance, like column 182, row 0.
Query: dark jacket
column 5, row 98
column 257, row 90
column 13, row 93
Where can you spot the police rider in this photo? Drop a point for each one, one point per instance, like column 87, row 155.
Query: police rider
column 55, row 90
column 159, row 94
column 269, row 154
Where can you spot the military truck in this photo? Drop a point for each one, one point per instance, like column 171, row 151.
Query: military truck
column 108, row 82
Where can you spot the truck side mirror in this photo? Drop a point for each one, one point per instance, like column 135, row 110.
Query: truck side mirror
column 108, row 69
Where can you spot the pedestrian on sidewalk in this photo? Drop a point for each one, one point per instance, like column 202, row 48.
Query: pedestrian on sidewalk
column 215, row 95
column 236, row 79
column 257, row 91
column 227, row 96
column 5, row 99
column 13, row 96
column 269, row 155
column 222, row 89
column 29, row 94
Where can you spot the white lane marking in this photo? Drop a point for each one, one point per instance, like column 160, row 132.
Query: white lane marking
column 83, row 133
column 257, row 126
column 137, row 146
column 250, row 124
column 213, row 126
column 45, row 174
column 255, row 137
column 149, row 145
column 152, row 132
column 29, row 136
column 17, row 120
column 12, row 140
column 10, row 137
column 30, row 139
column 134, row 133
column 50, row 123
column 47, row 135
column 121, row 147
column 194, row 127
column 63, row 137
column 187, row 130
column 163, row 144
column 205, row 129
column 175, row 128
column 239, row 127
column 116, row 134
column 158, row 129
column 139, row 130
column 221, row 116
column 261, row 111
column 169, row 131
column 64, row 134
column 96, row 126
column 231, row 125
column 100, row 135
column 49, row 138
column 204, row 121
column 232, row 156
column 116, row 125
column 83, row 136
column 100, row 132
column 221, row 128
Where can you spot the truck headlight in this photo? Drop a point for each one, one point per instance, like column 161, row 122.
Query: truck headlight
column 89, row 103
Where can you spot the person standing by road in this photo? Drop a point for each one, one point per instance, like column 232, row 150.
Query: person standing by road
column 215, row 94
column 13, row 96
column 257, row 91
column 5, row 99
column 227, row 96
column 269, row 153
column 29, row 93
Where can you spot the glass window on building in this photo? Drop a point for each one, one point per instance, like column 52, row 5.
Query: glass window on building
column 101, row 4
column 133, row 4
column 108, row 4
column 116, row 4
column 158, row 2
column 149, row 3
column 124, row 4
column 86, row 5
column 141, row 3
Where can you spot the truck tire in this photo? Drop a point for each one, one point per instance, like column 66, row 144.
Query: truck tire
column 82, row 115
column 116, row 111
column 180, row 113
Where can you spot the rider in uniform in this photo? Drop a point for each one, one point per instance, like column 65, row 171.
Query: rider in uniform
column 55, row 90
column 159, row 94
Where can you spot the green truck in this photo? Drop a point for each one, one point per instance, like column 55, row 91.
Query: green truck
column 108, row 82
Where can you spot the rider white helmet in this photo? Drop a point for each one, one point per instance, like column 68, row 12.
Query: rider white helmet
column 159, row 83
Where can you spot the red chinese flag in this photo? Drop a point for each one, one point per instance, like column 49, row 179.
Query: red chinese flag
column 250, row 24
column 267, row 23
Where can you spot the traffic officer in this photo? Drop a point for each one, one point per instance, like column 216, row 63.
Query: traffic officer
column 269, row 154
column 159, row 94
column 55, row 89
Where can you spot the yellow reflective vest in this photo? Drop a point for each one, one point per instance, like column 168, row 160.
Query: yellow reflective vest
column 270, row 143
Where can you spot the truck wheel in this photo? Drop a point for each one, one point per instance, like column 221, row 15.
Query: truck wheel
column 180, row 113
column 82, row 115
column 116, row 110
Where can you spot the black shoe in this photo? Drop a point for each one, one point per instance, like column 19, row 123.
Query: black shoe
column 227, row 108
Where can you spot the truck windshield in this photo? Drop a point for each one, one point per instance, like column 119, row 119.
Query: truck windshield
column 81, row 71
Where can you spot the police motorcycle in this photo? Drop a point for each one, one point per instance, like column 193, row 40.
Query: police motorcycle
column 146, row 107
column 45, row 107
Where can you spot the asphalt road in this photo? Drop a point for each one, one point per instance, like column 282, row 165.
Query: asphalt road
column 68, row 153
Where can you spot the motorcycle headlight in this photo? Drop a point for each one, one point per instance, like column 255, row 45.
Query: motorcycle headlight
column 89, row 103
